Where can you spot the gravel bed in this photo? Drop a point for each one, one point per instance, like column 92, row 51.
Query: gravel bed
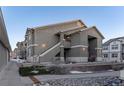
column 89, row 81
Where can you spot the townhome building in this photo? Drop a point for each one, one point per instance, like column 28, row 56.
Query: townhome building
column 70, row 41
column 13, row 54
column 4, row 44
column 113, row 50
column 21, row 50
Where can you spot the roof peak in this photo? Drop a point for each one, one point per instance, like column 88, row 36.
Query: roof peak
column 59, row 23
column 112, row 39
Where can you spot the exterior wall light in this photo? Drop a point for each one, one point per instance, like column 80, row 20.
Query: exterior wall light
column 43, row 45
column 63, row 39
column 68, row 37
column 83, row 49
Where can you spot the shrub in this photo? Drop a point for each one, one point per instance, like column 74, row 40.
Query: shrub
column 41, row 70
column 27, row 71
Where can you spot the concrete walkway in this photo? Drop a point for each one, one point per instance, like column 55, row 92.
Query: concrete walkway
column 10, row 77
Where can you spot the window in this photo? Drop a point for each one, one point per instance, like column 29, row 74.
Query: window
column 114, row 55
column 123, row 56
column 114, row 47
column 105, row 55
column 105, row 48
column 122, row 48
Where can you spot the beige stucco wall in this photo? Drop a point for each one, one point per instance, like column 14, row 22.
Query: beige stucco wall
column 47, row 36
column 81, row 38
column 76, row 53
column 84, row 41
column 75, row 39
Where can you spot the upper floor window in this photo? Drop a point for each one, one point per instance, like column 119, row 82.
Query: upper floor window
column 123, row 48
column 105, row 48
column 114, row 47
column 114, row 55
column 105, row 55
column 25, row 44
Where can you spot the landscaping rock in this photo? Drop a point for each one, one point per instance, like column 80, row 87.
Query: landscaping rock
column 89, row 81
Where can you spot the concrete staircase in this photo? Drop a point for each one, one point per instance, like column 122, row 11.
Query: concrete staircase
column 49, row 54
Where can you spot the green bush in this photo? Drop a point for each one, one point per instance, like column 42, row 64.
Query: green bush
column 42, row 70
column 27, row 71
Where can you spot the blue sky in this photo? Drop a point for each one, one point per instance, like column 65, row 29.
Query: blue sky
column 109, row 20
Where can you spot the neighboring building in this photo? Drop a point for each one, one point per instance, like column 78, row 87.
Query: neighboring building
column 4, row 43
column 69, row 41
column 13, row 54
column 21, row 50
column 113, row 50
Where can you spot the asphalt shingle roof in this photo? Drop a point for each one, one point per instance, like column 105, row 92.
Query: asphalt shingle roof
column 111, row 40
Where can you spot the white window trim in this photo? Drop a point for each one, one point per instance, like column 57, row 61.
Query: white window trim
column 76, row 46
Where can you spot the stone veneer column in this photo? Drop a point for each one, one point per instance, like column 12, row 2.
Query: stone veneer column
column 84, row 42
column 99, row 50
column 62, row 47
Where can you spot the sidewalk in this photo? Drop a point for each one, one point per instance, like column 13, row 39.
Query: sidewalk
column 10, row 77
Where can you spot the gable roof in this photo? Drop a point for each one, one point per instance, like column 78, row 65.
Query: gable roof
column 95, row 29
column 56, row 24
column 111, row 40
column 3, row 33
column 71, row 31
column 68, row 22
column 61, row 23
column 75, row 30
